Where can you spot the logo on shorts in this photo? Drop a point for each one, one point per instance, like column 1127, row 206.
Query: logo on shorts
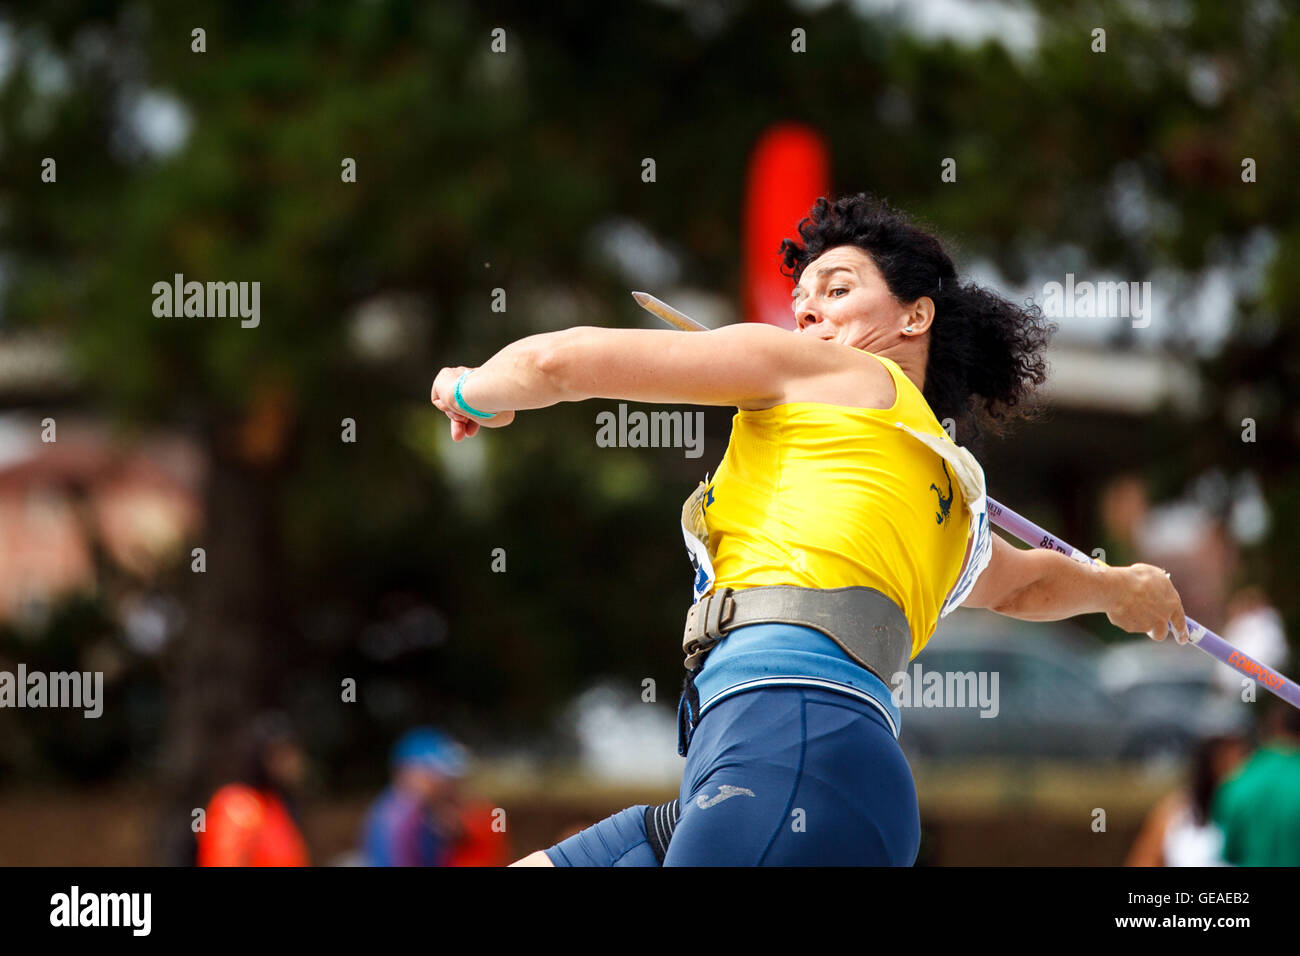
column 724, row 792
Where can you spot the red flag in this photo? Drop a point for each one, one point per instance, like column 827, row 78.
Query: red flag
column 788, row 171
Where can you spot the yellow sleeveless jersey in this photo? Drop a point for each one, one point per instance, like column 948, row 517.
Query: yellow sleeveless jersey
column 829, row 496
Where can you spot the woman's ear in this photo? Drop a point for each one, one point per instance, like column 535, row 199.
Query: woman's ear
column 920, row 314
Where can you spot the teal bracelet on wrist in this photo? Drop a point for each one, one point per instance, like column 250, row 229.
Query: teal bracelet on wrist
column 460, row 399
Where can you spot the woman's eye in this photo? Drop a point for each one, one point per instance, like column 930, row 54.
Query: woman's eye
column 833, row 291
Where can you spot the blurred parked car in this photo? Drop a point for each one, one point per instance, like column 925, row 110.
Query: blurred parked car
column 1160, row 679
column 1059, row 693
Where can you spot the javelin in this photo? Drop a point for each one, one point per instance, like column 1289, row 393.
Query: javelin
column 1034, row 536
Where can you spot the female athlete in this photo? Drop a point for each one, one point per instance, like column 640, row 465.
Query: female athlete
column 840, row 525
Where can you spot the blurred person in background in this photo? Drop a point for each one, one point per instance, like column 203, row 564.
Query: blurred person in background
column 1185, row 537
column 1255, row 627
column 1258, row 807
column 424, row 818
column 1124, row 507
column 1179, row 831
column 252, row 822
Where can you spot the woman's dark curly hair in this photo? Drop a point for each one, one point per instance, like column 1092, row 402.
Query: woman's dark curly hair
column 980, row 344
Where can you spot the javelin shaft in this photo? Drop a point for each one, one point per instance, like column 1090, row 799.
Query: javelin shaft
column 1034, row 536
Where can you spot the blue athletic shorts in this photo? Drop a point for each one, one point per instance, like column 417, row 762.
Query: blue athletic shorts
column 776, row 776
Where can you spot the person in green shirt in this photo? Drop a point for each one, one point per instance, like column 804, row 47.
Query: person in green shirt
column 1258, row 807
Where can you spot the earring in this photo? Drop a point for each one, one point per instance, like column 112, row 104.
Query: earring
column 908, row 329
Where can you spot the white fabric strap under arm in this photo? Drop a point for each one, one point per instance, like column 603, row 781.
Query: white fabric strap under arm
column 979, row 533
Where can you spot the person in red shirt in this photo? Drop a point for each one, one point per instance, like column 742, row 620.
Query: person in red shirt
column 251, row 822
column 482, row 842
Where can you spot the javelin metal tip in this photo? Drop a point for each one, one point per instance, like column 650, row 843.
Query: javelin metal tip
column 668, row 313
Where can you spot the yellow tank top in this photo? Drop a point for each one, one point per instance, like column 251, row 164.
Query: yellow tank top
column 829, row 496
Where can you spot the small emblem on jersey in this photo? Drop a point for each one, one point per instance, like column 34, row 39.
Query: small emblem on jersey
column 941, row 515
column 709, row 500
column 725, row 791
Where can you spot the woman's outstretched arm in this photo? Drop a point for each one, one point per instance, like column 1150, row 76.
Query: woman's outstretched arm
column 744, row 364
